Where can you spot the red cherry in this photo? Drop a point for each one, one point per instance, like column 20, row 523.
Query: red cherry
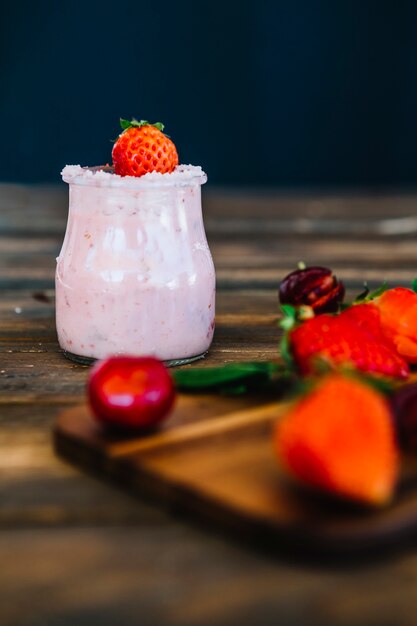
column 130, row 392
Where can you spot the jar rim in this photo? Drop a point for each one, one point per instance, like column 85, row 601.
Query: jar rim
column 104, row 176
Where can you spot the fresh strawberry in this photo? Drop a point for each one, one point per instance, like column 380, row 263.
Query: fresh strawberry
column 367, row 317
column 398, row 311
column 339, row 438
column 142, row 148
column 343, row 340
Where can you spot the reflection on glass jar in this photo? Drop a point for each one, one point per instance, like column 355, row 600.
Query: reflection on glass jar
column 135, row 274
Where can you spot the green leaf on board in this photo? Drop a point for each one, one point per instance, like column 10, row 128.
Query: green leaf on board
column 414, row 285
column 232, row 378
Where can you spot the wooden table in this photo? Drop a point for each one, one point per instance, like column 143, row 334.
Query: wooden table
column 75, row 551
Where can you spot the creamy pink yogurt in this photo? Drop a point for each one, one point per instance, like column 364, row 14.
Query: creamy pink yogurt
column 135, row 274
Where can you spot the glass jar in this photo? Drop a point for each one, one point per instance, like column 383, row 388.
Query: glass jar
column 135, row 274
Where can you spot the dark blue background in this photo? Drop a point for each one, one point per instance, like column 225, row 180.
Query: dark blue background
column 280, row 93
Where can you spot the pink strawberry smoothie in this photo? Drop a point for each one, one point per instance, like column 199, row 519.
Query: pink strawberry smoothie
column 135, row 274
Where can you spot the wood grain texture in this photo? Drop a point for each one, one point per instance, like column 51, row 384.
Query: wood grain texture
column 86, row 553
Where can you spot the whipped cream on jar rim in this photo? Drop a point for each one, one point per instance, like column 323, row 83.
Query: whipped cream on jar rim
column 104, row 176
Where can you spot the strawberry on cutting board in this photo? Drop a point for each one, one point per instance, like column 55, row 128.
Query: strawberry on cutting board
column 141, row 148
column 339, row 438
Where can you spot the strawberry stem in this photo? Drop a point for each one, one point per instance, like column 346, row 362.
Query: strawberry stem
column 290, row 316
column 287, row 323
column 125, row 124
column 368, row 296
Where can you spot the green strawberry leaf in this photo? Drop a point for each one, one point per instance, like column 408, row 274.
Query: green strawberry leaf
column 290, row 316
column 414, row 285
column 361, row 297
column 125, row 124
column 379, row 291
column 383, row 385
column 286, row 353
column 287, row 323
column 368, row 296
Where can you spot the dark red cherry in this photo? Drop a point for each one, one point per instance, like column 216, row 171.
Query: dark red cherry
column 316, row 287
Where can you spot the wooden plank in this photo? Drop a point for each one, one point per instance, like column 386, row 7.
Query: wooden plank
column 279, row 211
column 257, row 261
column 174, row 574
column 37, row 489
column 245, row 278
column 262, row 247
column 245, row 203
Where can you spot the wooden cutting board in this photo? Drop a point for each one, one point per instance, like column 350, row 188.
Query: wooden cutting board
column 213, row 457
